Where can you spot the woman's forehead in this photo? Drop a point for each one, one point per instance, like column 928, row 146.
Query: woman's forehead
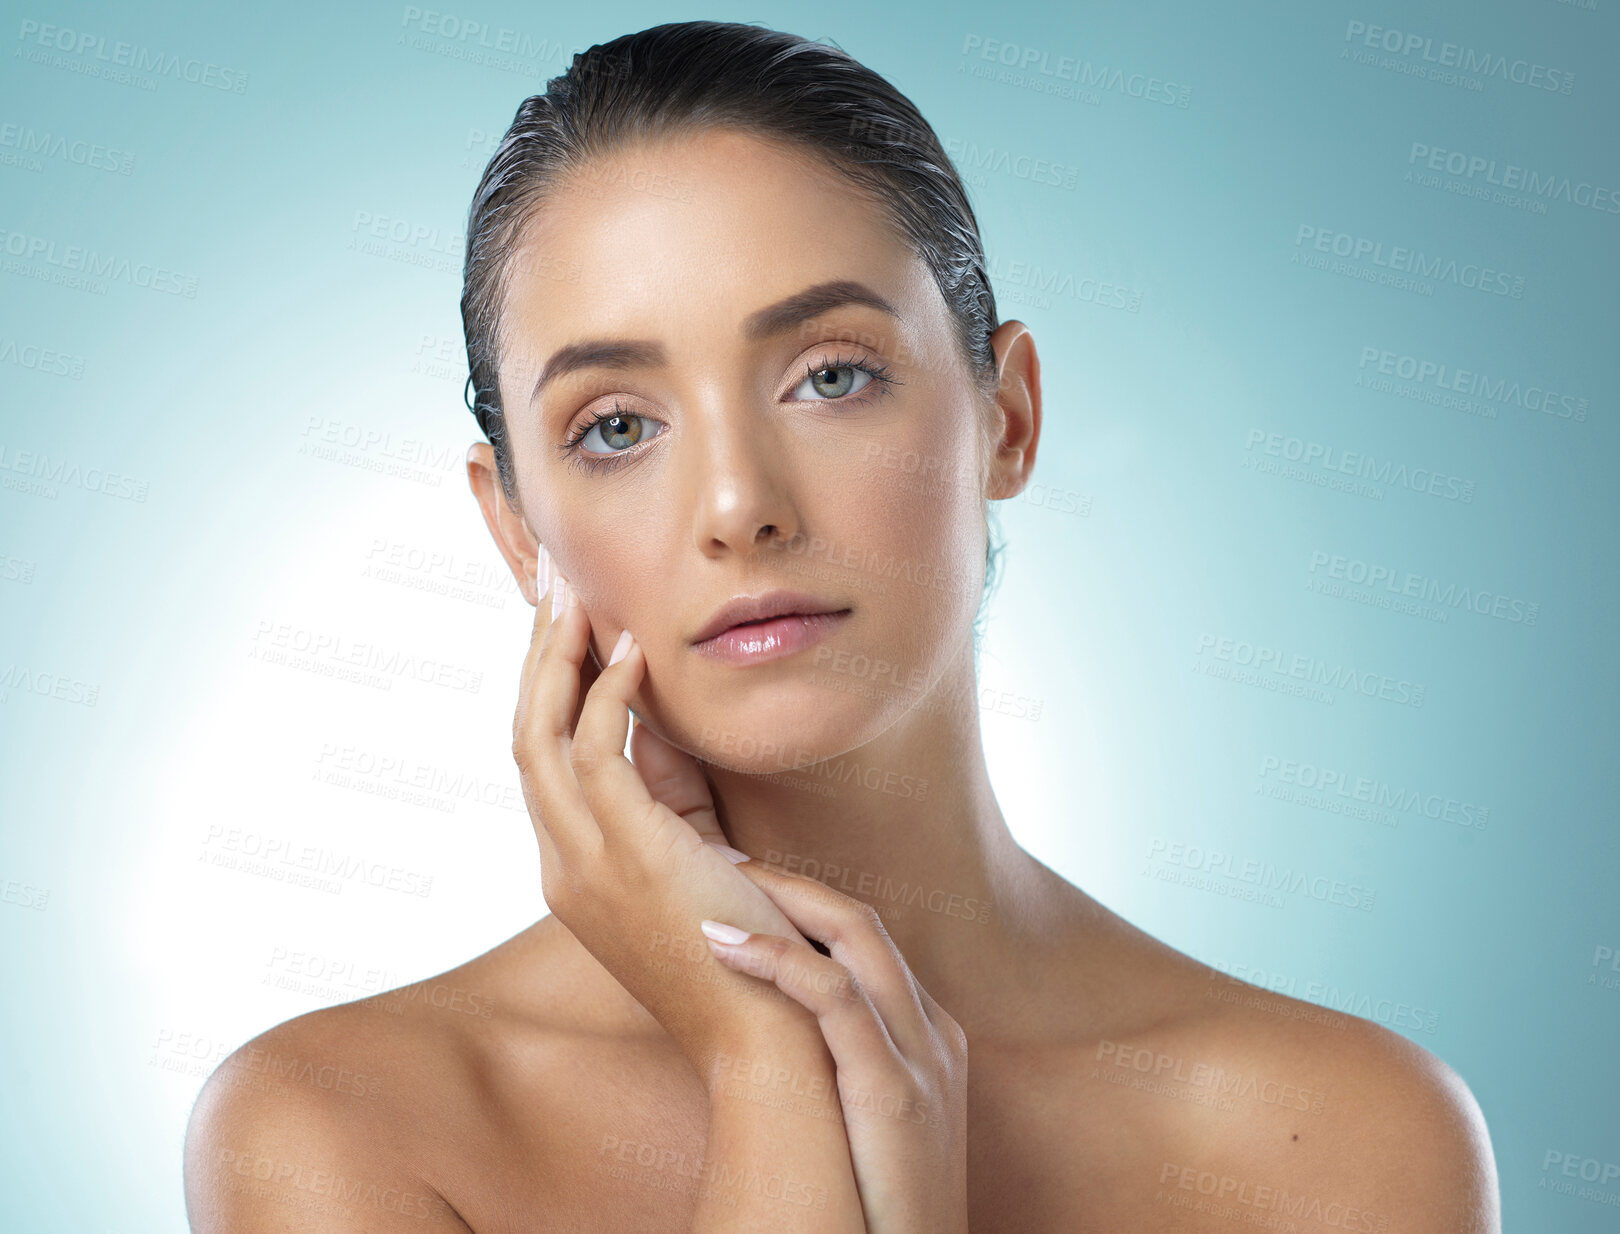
column 691, row 209
column 621, row 256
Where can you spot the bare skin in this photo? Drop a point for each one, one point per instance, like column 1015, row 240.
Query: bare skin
column 1112, row 1082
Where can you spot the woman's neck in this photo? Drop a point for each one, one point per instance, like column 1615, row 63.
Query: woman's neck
column 909, row 824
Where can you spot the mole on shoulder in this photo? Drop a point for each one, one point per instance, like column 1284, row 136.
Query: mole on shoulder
column 1296, row 1135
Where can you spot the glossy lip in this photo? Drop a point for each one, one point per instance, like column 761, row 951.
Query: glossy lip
column 757, row 608
column 758, row 642
column 754, row 629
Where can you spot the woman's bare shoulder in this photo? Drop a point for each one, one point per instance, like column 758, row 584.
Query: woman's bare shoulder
column 1247, row 1102
column 305, row 1126
column 1295, row 1108
column 373, row 1110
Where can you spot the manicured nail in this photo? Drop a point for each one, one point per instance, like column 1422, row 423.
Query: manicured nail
column 734, row 855
column 720, row 932
column 542, row 573
column 559, row 596
column 620, row 648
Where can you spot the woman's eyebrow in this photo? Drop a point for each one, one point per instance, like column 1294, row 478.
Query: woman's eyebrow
column 782, row 316
column 766, row 323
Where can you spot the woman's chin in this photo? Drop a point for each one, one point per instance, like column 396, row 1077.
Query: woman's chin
column 795, row 729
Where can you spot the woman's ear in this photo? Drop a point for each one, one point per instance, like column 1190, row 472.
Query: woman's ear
column 513, row 537
column 1015, row 430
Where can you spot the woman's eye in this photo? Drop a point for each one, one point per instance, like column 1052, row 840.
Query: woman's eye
column 617, row 433
column 835, row 381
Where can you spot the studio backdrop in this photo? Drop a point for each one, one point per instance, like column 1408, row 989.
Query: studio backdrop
column 1302, row 655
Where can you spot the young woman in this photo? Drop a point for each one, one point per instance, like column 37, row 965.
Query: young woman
column 747, row 400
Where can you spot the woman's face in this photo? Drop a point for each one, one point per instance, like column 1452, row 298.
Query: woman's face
column 749, row 448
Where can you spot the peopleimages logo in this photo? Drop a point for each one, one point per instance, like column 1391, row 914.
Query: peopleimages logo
column 336, row 655
column 1332, row 781
column 1373, row 575
column 1456, row 56
column 1472, row 384
column 974, row 160
column 1044, row 281
column 92, row 51
column 479, row 34
column 1326, row 457
column 91, row 264
column 1307, row 668
column 28, row 143
column 42, row 472
column 1037, row 63
column 1264, row 874
column 1587, row 1169
column 1391, row 1013
column 1398, row 259
column 1512, row 176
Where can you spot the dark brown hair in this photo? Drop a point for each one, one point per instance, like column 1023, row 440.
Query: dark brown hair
column 690, row 75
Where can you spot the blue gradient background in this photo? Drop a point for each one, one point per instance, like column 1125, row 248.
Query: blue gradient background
column 134, row 962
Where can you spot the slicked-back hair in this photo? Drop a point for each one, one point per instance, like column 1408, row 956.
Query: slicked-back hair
column 686, row 76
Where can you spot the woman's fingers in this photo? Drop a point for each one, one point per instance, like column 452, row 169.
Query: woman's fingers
column 548, row 700
column 537, row 637
column 904, row 1108
column 853, row 1030
column 856, row 939
column 597, row 750
column 612, row 786
column 542, row 622
column 674, row 778
column 569, row 739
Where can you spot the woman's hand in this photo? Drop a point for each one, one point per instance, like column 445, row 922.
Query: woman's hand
column 623, row 858
column 901, row 1059
column 625, row 867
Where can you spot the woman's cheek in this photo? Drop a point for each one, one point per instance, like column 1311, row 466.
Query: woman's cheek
column 607, row 582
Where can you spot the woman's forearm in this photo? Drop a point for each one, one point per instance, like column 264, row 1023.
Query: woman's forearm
column 777, row 1157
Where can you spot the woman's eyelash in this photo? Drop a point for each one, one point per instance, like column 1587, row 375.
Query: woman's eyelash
column 878, row 372
column 591, row 462
column 618, row 409
column 585, row 460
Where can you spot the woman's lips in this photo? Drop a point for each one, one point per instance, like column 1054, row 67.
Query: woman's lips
column 762, row 641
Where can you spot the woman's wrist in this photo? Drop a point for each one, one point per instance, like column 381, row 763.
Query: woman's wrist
column 781, row 1053
column 774, row 1114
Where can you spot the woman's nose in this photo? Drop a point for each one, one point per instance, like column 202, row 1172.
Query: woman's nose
column 741, row 471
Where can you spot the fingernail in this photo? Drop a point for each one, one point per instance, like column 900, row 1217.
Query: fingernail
column 542, row 573
column 734, row 855
column 720, row 932
column 559, row 596
column 620, row 648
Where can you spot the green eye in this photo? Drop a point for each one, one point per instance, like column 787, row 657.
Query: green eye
column 617, row 431
column 834, row 381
